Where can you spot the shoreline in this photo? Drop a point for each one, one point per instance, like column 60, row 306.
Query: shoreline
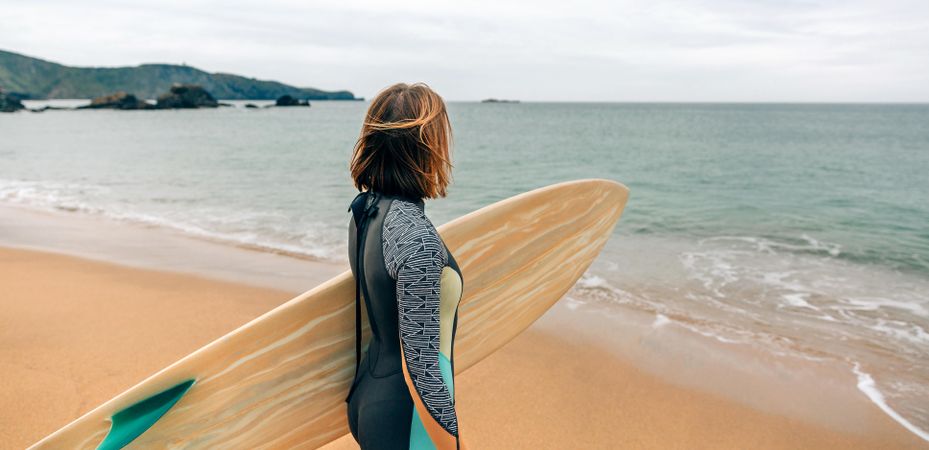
column 160, row 248
column 815, row 392
column 63, row 358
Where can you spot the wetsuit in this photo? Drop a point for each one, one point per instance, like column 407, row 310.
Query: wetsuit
column 403, row 395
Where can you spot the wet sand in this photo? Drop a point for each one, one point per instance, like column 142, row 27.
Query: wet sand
column 75, row 332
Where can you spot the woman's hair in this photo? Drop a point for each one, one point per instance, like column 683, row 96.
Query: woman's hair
column 404, row 144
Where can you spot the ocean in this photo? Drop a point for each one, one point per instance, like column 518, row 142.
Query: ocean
column 801, row 230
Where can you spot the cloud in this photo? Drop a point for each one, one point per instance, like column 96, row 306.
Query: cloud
column 715, row 50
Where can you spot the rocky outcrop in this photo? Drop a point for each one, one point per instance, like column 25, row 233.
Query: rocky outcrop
column 186, row 96
column 119, row 100
column 10, row 103
column 287, row 100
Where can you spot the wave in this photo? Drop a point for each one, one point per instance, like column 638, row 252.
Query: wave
column 867, row 385
column 310, row 243
column 807, row 304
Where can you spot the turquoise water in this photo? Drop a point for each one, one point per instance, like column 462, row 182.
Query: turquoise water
column 801, row 229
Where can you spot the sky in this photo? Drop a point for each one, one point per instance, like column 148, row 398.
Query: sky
column 541, row 50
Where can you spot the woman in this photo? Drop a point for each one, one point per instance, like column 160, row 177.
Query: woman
column 403, row 394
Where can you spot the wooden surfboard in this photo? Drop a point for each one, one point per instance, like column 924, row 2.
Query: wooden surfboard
column 280, row 381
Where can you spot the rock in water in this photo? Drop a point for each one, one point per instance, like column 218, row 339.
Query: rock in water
column 10, row 103
column 286, row 100
column 119, row 100
column 498, row 100
column 49, row 108
column 186, row 96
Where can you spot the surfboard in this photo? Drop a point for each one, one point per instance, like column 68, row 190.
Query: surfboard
column 280, row 380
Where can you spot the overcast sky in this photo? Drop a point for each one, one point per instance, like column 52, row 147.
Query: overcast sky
column 577, row 50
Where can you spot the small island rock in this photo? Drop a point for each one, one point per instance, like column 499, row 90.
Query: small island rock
column 119, row 100
column 10, row 102
column 186, row 96
column 287, row 100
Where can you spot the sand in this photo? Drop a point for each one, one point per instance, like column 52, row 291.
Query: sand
column 75, row 332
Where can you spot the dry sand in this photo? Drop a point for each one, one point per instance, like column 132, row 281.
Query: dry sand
column 75, row 332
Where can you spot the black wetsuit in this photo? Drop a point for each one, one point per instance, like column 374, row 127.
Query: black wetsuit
column 402, row 396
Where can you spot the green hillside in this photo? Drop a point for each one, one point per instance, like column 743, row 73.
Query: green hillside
column 39, row 79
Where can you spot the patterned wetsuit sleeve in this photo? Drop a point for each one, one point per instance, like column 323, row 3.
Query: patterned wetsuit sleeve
column 415, row 256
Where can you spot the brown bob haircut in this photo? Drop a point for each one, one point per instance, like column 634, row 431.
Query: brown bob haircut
column 404, row 144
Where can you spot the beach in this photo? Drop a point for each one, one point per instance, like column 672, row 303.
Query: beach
column 186, row 190
column 76, row 329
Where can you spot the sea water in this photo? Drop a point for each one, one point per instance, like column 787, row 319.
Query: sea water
column 800, row 229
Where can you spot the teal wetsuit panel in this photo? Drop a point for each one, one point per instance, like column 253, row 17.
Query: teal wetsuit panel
column 419, row 438
column 445, row 366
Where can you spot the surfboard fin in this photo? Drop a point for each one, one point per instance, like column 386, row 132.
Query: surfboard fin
column 131, row 422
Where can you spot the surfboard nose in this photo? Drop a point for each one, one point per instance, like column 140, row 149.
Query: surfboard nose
column 615, row 193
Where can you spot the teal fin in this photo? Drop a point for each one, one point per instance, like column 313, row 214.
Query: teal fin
column 131, row 422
